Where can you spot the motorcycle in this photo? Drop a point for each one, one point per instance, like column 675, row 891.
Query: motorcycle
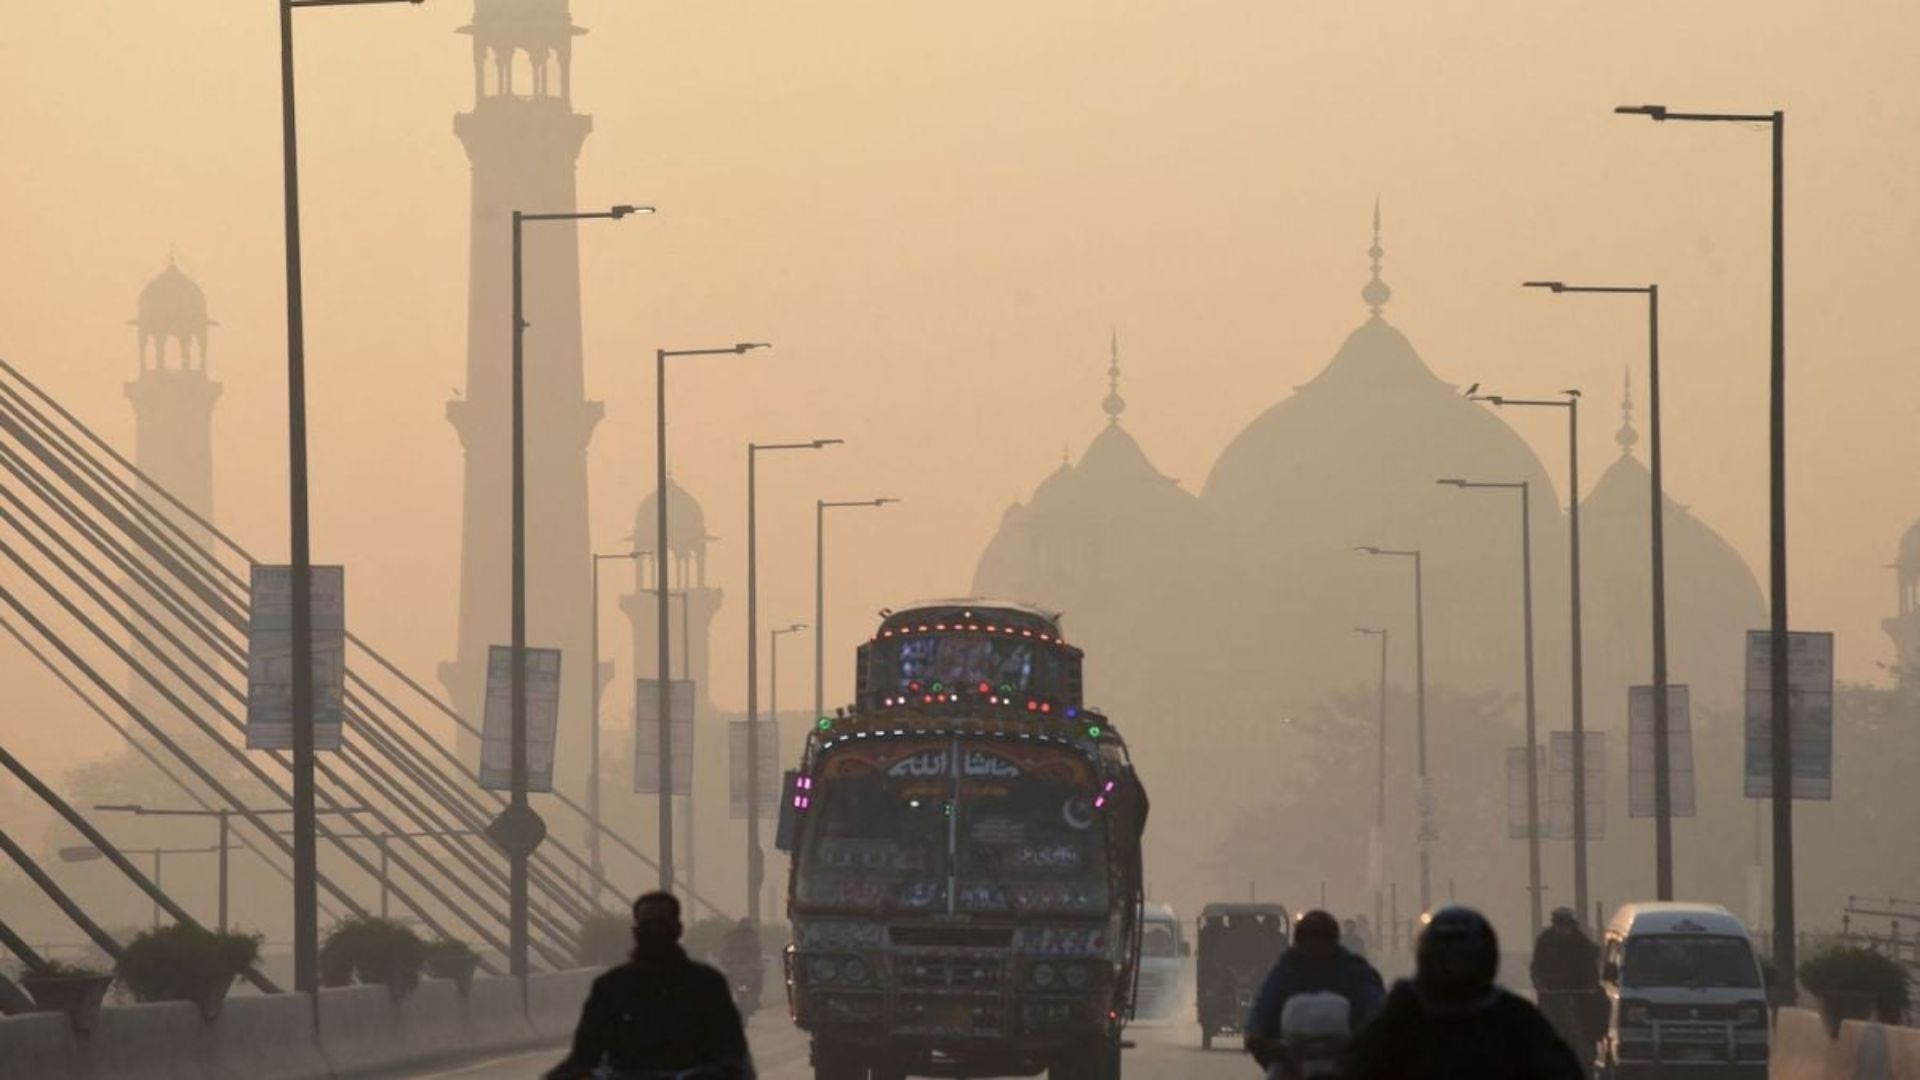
column 746, row 982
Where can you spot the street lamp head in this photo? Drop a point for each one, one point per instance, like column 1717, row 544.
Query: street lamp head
column 1571, row 393
column 1367, row 630
column 121, row 808
column 749, row 346
column 796, row 626
column 819, row 443
column 1550, row 286
column 1657, row 112
column 1366, row 549
column 1452, row 481
column 623, row 210
column 884, row 501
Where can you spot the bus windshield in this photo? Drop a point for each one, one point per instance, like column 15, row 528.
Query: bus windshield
column 1690, row 960
column 893, row 826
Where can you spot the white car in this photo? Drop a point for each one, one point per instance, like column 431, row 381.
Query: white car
column 1163, row 964
column 1685, row 995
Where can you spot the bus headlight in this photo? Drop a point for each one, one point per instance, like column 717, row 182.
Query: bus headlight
column 822, row 969
column 1043, row 975
column 1753, row 1015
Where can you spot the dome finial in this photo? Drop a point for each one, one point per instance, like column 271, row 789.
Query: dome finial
column 1114, row 405
column 1627, row 437
column 1376, row 292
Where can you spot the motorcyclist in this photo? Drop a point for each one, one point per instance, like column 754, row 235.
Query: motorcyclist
column 660, row 1012
column 1315, row 963
column 1451, row 1020
column 741, row 959
column 1566, row 978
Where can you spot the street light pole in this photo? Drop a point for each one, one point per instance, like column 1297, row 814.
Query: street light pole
column 755, row 871
column 1780, row 739
column 1526, row 607
column 1423, row 792
column 306, row 873
column 1578, row 691
column 518, row 809
column 820, row 508
column 1662, row 778
column 661, row 561
column 1380, row 779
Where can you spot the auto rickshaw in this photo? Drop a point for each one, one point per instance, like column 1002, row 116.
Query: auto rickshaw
column 1238, row 944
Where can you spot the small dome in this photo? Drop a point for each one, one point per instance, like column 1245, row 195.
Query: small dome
column 686, row 522
column 1910, row 549
column 171, row 304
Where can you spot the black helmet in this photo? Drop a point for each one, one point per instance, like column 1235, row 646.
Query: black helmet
column 1457, row 957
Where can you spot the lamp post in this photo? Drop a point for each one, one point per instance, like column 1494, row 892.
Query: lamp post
column 1526, row 608
column 520, row 823
column 593, row 729
column 660, row 561
column 820, row 508
column 306, row 873
column 89, row 854
column 1380, row 775
column 1780, row 739
column 1578, row 703
column 1662, row 781
column 1424, row 792
column 754, row 854
column 224, row 815
column 773, row 674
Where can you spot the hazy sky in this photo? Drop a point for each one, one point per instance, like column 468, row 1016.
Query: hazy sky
column 937, row 213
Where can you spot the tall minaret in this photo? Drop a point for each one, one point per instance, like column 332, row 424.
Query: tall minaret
column 172, row 397
column 173, row 403
column 522, row 138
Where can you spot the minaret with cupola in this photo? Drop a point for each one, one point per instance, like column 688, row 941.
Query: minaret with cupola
column 522, row 138
column 172, row 395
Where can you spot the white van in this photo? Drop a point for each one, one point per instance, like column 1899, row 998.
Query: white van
column 1163, row 964
column 1685, row 995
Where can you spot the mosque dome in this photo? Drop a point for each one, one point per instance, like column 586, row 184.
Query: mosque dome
column 686, row 522
column 172, row 304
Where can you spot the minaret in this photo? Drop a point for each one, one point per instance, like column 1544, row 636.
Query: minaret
column 686, row 582
column 522, row 138
column 172, row 397
column 173, row 403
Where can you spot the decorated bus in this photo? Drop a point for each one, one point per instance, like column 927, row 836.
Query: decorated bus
column 966, row 873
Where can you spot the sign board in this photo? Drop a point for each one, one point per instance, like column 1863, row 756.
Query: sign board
column 1640, row 788
column 1560, row 785
column 646, row 736
column 768, row 749
column 1809, row 713
column 543, row 718
column 270, row 656
column 1517, row 787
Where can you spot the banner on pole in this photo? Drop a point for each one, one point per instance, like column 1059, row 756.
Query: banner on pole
column 1560, row 785
column 543, row 718
column 1809, row 713
column 646, row 736
column 768, row 761
column 1640, row 790
column 270, row 656
column 1517, row 787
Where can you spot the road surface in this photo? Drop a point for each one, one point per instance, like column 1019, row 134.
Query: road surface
column 1161, row 1052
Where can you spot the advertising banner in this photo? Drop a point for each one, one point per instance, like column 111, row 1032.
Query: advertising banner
column 543, row 718
column 769, row 763
column 1560, row 785
column 646, row 736
column 1809, row 713
column 1640, row 800
column 1517, row 787
column 270, row 657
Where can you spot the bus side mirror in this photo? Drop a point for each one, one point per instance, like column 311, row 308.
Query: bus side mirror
column 1610, row 972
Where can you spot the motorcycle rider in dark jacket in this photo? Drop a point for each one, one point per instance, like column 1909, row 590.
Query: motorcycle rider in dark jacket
column 1452, row 1021
column 1315, row 962
column 660, row 1012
